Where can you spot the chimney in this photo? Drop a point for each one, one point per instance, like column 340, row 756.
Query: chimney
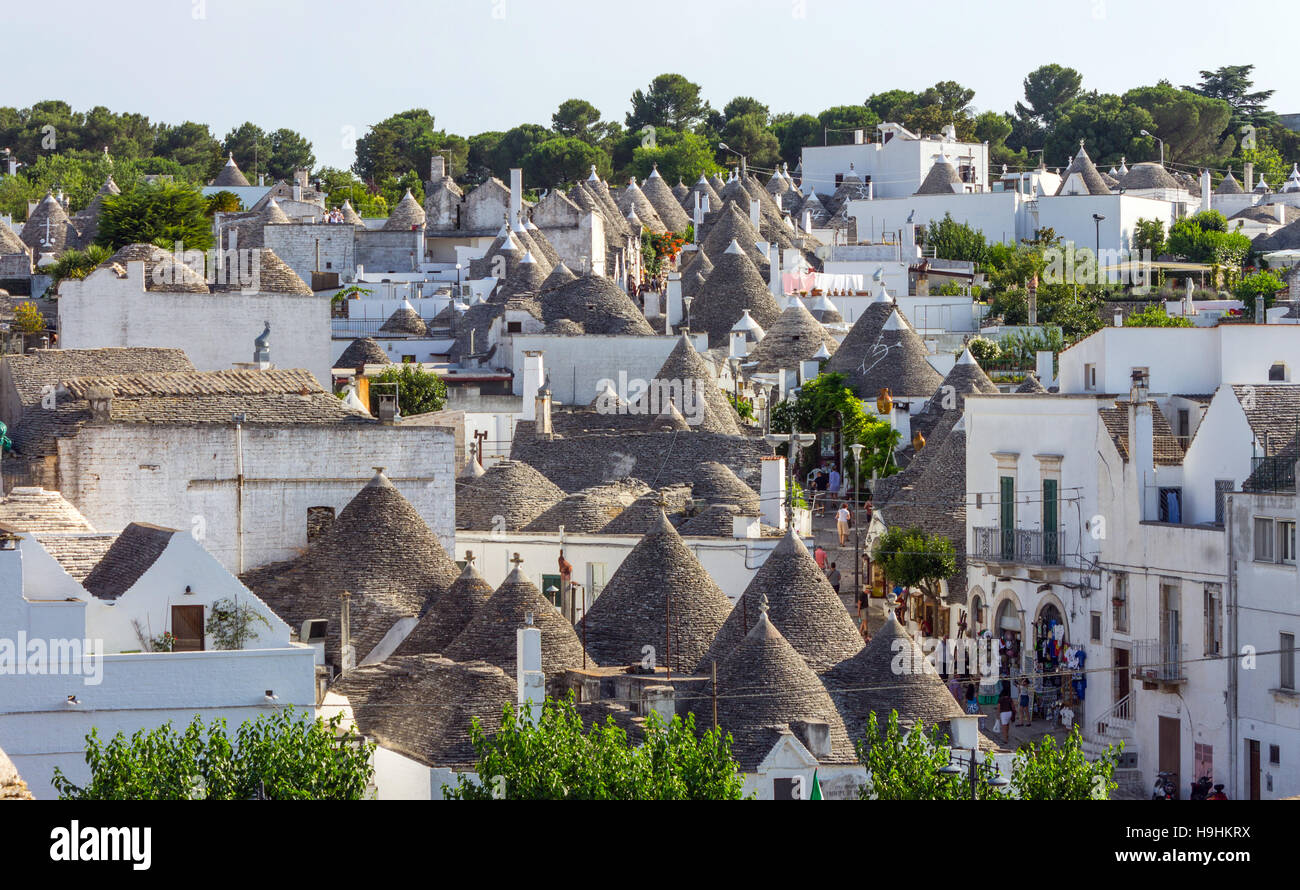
column 902, row 421
column 815, row 734
column 516, row 195
column 437, row 168
column 1248, row 170
column 774, row 269
column 542, row 408
column 1205, row 190
column 261, row 180
column 528, row 671
column 1119, row 319
column 739, row 344
column 772, row 491
column 754, row 213
column 300, row 177
column 101, row 402
column 533, row 377
column 673, row 297
column 859, row 137
column 297, row 192
column 1141, row 442
column 807, row 222
column 660, row 699
column 697, row 217
column 1043, row 366
column 809, row 368
column 262, row 346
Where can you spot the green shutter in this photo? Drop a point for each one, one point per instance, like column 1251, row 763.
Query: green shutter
column 1051, row 548
column 1007, row 508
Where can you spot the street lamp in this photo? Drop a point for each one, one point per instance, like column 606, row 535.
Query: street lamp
column 856, row 448
column 1097, row 218
column 790, row 440
column 686, row 302
column 998, row 782
column 725, row 147
column 1162, row 145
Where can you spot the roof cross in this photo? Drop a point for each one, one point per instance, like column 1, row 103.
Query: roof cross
column 516, row 560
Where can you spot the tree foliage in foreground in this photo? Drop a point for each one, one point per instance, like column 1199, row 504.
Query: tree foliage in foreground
column 281, row 755
column 555, row 758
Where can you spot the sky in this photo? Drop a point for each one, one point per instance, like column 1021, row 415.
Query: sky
column 331, row 68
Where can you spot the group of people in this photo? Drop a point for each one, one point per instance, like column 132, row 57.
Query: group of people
column 334, row 216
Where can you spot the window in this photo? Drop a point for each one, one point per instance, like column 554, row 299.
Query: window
column 551, row 589
column 1277, row 371
column 784, row 789
column 408, row 359
column 595, row 578
column 1222, row 488
column 1263, row 540
column 1184, row 427
column 1171, row 505
column 187, row 628
column 1213, row 626
column 1090, row 377
column 1007, row 515
column 1096, row 627
column 1119, row 602
column 1171, row 626
column 514, row 327
column 1275, row 754
column 1287, row 647
column 1202, row 759
column 1286, row 541
column 1051, row 508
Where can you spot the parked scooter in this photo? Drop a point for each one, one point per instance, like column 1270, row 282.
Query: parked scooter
column 1166, row 787
column 1201, row 788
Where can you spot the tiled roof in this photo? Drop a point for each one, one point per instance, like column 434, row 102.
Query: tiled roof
column 78, row 554
column 37, row 510
column 136, row 549
column 1167, row 450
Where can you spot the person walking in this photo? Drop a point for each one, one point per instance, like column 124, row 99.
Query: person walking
column 833, row 576
column 819, row 555
column 1025, row 716
column 1005, row 709
column 842, row 522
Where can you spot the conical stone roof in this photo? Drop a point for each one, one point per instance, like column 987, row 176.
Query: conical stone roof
column 274, row 215
column 449, row 615
column 941, row 179
column 48, row 229
column 795, row 337
column 511, row 490
column 1031, row 384
column 527, row 278
column 665, row 202
column 733, row 286
column 11, row 244
column 350, row 215
column 660, row 596
column 715, row 483
column 764, row 685
column 490, row 635
column 684, row 380
column 408, row 214
column 1092, row 181
column 896, row 360
column 631, row 200
column 380, row 550
column 230, row 175
column 361, row 352
column 729, row 225
column 559, row 277
column 890, row 674
column 405, row 321
column 801, row 604
column 1229, row 186
column 642, row 516
column 591, row 509
column 598, row 304
column 163, row 272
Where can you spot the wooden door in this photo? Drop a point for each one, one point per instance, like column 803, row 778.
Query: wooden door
column 1170, row 746
column 187, row 628
column 1122, row 676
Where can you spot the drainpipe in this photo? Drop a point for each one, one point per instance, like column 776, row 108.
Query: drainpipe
column 239, row 489
column 1234, row 662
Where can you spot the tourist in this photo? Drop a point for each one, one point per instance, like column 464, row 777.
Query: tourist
column 833, row 576
column 1005, row 709
column 834, row 483
column 972, row 701
column 819, row 554
column 1025, row 717
column 842, row 522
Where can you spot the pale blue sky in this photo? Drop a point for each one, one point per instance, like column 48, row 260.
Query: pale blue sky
column 325, row 66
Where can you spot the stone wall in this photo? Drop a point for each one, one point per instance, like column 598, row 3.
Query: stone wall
column 378, row 251
column 296, row 245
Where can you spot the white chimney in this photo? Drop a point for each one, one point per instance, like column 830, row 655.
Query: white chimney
column 528, row 667
column 754, row 213
column 1043, row 366
column 774, row 270
column 772, row 491
column 437, row 168
column 1141, row 443
column 1205, row 190
column 661, row 700
column 1248, row 170
column 698, row 215
column 859, row 137
column 739, row 344
column 297, row 193
column 901, row 419
column 673, row 297
column 533, row 377
column 516, row 194
column 807, row 222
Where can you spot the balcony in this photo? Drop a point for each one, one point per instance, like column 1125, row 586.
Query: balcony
column 1018, row 546
column 1276, row 473
column 1159, row 662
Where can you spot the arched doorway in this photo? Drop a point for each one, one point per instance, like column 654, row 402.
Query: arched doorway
column 976, row 620
column 1008, row 630
column 1057, row 665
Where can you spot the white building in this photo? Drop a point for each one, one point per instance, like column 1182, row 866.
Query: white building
column 80, row 655
column 893, row 166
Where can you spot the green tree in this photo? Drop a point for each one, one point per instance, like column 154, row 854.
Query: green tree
column 1155, row 316
column 556, row 758
column 193, row 147
column 748, row 134
column 251, row 147
column 1190, row 124
column 839, row 122
column 952, row 240
column 1258, row 284
column 418, row 391
column 891, row 106
column 827, row 403
column 1270, row 166
column 1049, row 90
column 905, row 764
column 161, row 213
column 77, row 263
column 223, row 202
column 913, row 558
column 796, row 132
column 282, row 755
column 580, row 119
column 563, row 160
column 684, row 156
column 406, row 141
column 1232, row 84
column 1149, row 236
column 514, row 146
column 28, row 318
column 1044, row 770
column 670, row 101
column 1108, row 126
column 744, row 105
column 290, row 151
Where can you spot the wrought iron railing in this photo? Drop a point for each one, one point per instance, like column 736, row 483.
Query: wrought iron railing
column 1160, row 660
column 1276, row 473
column 1026, row 546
